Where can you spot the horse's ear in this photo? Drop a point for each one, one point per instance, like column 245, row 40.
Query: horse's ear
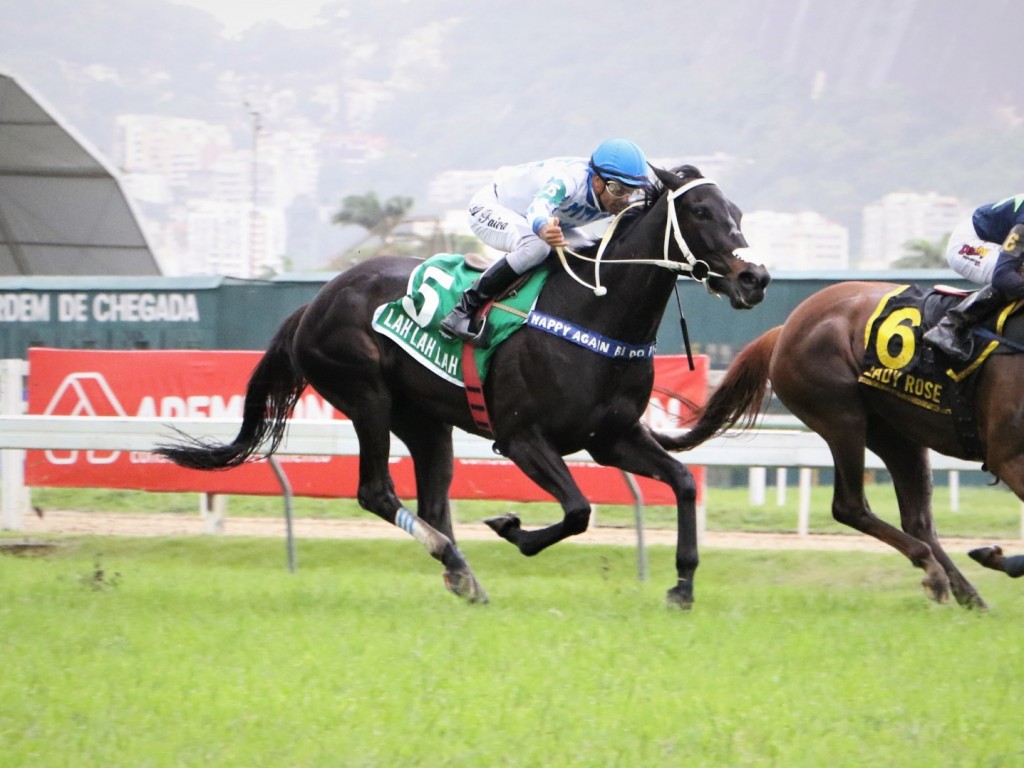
column 668, row 179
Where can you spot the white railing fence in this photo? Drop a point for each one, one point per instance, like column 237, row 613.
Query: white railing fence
column 756, row 449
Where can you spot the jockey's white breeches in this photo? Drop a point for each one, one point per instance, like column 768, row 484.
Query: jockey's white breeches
column 970, row 256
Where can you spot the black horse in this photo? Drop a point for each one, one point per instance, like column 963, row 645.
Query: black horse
column 547, row 398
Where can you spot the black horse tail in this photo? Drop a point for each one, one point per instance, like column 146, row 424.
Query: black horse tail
column 270, row 397
column 738, row 398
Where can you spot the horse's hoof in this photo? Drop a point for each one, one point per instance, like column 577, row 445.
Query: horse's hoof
column 974, row 602
column 989, row 557
column 504, row 525
column 936, row 590
column 680, row 596
column 464, row 584
column 967, row 596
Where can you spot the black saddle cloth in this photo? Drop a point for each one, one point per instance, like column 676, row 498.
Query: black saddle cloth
column 898, row 361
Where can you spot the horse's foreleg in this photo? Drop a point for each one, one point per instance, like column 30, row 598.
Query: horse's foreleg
column 911, row 477
column 850, row 507
column 638, row 453
column 533, row 454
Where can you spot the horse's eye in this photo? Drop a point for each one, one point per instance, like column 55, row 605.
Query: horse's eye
column 701, row 212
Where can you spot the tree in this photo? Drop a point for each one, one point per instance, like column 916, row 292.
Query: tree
column 367, row 212
column 923, row 254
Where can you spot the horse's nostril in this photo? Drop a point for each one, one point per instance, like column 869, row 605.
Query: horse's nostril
column 754, row 278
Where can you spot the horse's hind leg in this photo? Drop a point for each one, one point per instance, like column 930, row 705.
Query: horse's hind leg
column 430, row 445
column 907, row 462
column 850, row 507
column 830, row 404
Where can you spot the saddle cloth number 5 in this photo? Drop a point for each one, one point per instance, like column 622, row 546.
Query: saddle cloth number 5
column 425, row 314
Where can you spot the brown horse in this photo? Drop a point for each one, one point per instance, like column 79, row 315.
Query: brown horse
column 813, row 362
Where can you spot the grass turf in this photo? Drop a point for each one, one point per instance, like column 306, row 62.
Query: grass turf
column 206, row 651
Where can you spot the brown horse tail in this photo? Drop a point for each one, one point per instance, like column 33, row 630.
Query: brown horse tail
column 738, row 398
column 273, row 390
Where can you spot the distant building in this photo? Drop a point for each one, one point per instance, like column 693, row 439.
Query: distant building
column 225, row 238
column 352, row 148
column 294, row 158
column 151, row 188
column 900, row 217
column 212, row 208
column 170, row 146
column 796, row 241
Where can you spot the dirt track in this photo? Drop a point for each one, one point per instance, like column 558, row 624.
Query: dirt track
column 95, row 523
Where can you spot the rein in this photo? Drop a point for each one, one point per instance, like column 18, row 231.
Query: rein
column 696, row 269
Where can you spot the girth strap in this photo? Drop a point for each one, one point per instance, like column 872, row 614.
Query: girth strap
column 965, row 421
column 475, row 390
column 471, row 378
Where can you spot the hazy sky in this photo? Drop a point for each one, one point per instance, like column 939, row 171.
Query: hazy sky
column 237, row 15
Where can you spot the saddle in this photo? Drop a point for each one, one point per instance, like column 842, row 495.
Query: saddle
column 1003, row 330
column 413, row 321
column 898, row 362
column 479, row 262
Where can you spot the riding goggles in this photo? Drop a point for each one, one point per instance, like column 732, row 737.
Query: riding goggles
column 617, row 188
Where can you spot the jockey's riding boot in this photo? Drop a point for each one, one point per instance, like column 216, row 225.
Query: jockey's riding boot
column 953, row 333
column 461, row 321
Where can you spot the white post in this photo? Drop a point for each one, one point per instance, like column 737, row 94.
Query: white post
column 14, row 496
column 803, row 523
column 212, row 509
column 954, row 490
column 758, row 481
column 780, row 486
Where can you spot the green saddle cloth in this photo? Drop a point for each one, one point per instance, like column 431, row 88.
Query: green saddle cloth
column 414, row 321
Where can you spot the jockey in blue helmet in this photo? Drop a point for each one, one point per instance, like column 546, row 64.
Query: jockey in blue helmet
column 620, row 160
column 529, row 209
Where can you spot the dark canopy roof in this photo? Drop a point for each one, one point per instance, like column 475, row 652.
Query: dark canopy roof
column 62, row 210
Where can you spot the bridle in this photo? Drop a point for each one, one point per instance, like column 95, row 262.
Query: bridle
column 696, row 269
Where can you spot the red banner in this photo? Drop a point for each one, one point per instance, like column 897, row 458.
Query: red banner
column 202, row 384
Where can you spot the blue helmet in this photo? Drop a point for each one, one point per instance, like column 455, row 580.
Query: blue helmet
column 620, row 160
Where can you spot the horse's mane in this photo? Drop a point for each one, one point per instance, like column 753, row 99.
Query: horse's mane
column 687, row 172
column 654, row 192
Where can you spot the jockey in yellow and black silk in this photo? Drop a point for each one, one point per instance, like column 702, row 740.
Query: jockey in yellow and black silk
column 988, row 249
